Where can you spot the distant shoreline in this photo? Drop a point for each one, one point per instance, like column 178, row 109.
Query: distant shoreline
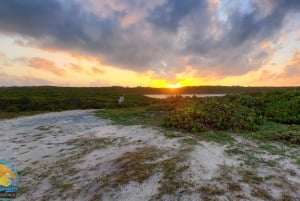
column 163, row 96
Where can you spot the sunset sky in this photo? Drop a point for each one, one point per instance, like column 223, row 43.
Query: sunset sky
column 158, row 43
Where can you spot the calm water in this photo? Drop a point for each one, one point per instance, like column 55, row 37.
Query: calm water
column 162, row 96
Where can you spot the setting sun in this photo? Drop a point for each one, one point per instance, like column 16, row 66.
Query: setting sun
column 174, row 86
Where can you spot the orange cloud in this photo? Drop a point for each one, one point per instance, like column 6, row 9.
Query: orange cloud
column 293, row 68
column 76, row 68
column 283, row 38
column 266, row 75
column 129, row 19
column 290, row 76
column 97, row 71
column 2, row 55
column 214, row 4
column 267, row 45
column 45, row 65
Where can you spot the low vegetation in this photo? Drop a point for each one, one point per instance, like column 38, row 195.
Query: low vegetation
column 248, row 114
column 137, row 166
column 17, row 101
column 216, row 118
column 212, row 113
column 131, row 116
column 266, row 117
column 143, row 163
column 261, row 113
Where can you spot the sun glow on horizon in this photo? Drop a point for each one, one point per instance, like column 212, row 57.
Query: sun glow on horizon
column 174, row 86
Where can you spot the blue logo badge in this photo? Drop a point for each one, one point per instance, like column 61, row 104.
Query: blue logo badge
column 9, row 180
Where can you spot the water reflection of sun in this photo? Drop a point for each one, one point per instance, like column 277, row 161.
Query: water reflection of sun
column 174, row 86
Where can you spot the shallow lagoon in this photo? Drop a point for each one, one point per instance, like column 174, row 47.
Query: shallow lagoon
column 162, row 96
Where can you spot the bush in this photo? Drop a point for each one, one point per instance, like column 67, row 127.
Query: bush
column 284, row 111
column 212, row 114
column 281, row 106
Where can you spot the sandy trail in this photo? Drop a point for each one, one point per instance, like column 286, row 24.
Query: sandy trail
column 74, row 155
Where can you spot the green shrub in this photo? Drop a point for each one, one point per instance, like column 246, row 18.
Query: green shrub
column 212, row 114
column 284, row 111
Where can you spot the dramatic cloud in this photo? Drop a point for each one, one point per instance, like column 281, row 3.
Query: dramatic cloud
column 293, row 68
column 45, row 65
column 289, row 76
column 163, row 36
column 171, row 13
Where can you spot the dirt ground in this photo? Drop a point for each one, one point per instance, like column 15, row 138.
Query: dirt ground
column 74, row 155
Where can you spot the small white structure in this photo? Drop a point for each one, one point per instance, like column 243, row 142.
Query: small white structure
column 121, row 99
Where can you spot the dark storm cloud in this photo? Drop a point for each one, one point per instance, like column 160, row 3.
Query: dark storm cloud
column 60, row 25
column 33, row 17
column 169, row 14
column 166, row 31
column 66, row 25
column 50, row 18
column 255, row 25
column 241, row 36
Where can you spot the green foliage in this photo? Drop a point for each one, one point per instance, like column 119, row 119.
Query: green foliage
column 298, row 161
column 284, row 110
column 25, row 99
column 170, row 135
column 130, row 116
column 65, row 186
column 189, row 141
column 254, row 111
column 282, row 106
column 217, row 136
column 212, row 114
column 271, row 131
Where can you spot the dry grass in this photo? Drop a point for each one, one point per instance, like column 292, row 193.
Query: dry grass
column 87, row 145
column 65, row 186
column 250, row 177
column 285, row 196
column 234, row 186
column 171, row 181
column 211, row 190
column 137, row 166
column 261, row 193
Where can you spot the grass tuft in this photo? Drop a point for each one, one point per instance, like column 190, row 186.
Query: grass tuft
column 130, row 116
column 261, row 193
column 217, row 136
column 138, row 166
column 171, row 134
column 285, row 196
column 250, row 177
column 298, row 161
column 65, row 186
column 234, row 186
column 211, row 190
